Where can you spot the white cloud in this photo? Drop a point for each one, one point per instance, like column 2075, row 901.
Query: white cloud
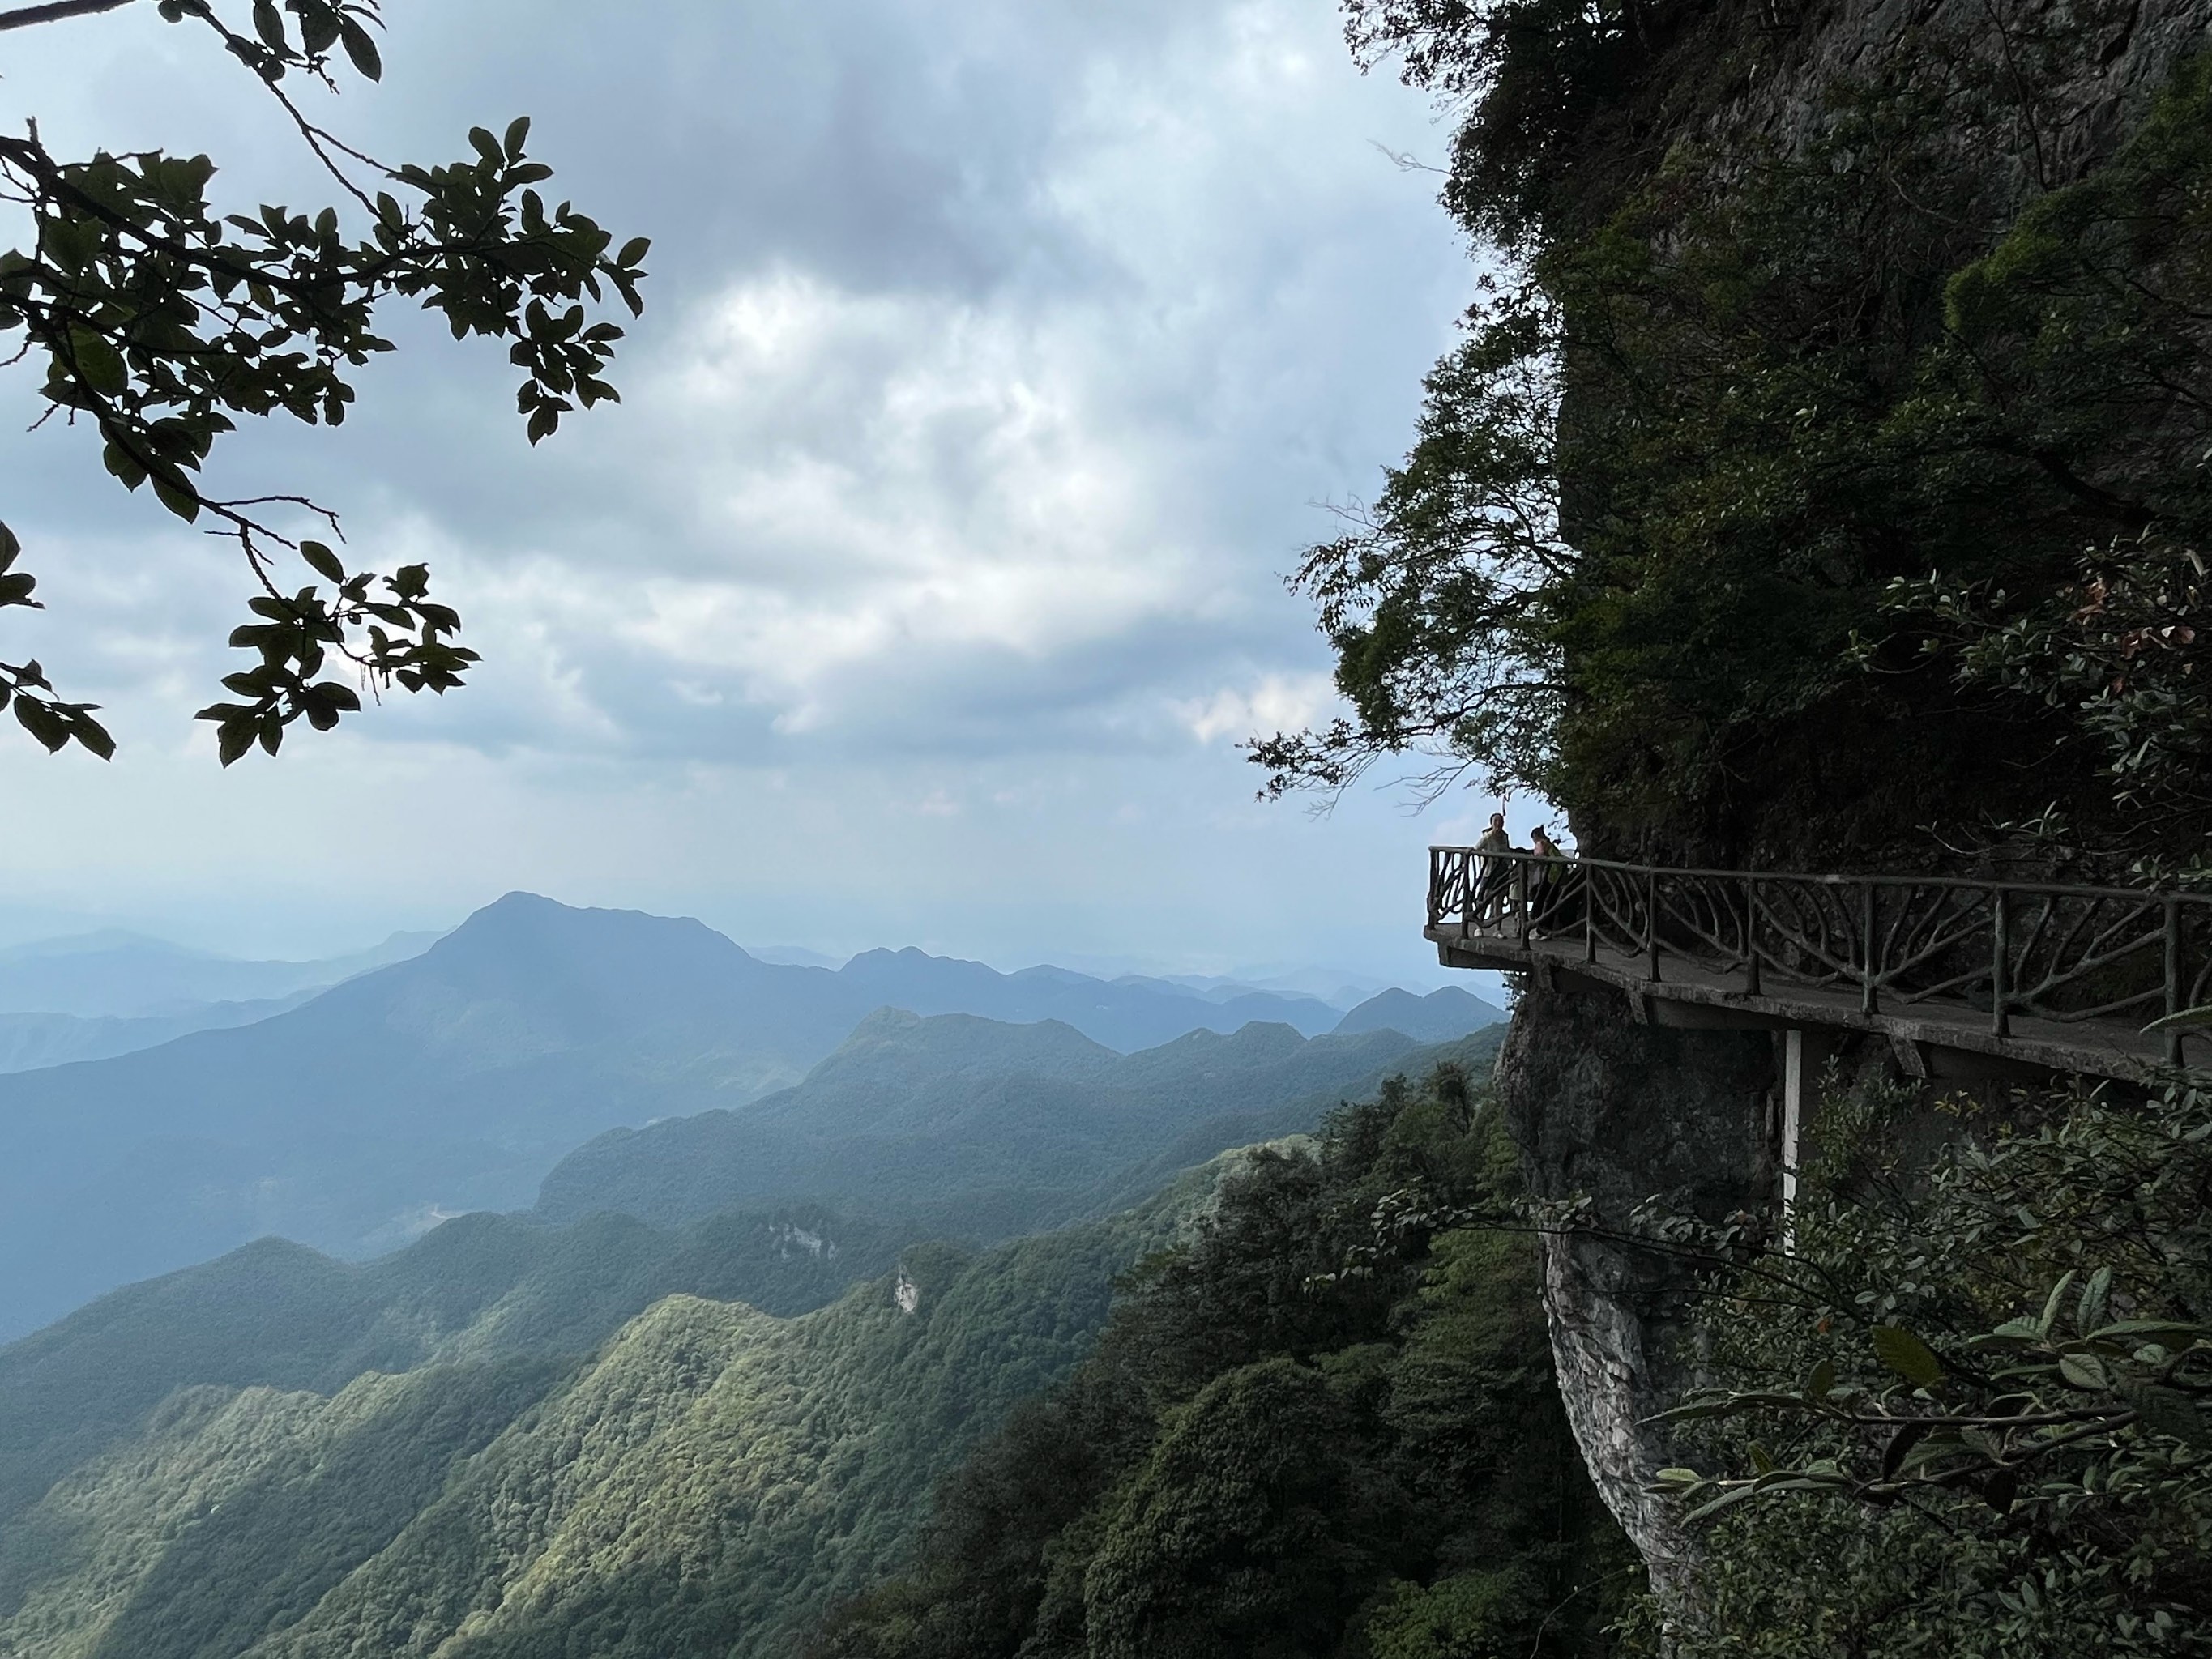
column 995, row 350
column 1279, row 702
column 876, row 476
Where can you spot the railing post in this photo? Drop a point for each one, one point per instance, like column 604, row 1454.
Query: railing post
column 2000, row 964
column 1589, row 916
column 1521, row 899
column 2172, row 978
column 1651, row 925
column 1750, row 937
column 1869, row 1002
column 1466, row 884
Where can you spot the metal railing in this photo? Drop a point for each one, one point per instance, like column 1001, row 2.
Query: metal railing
column 2003, row 950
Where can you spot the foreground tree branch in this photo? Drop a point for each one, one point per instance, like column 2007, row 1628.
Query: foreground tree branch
column 162, row 321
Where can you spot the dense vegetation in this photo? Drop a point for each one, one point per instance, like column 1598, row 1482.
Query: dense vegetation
column 701, row 1484
column 1288, row 1442
column 1777, row 341
column 1825, row 479
column 519, row 1438
column 1970, row 1412
column 987, row 1129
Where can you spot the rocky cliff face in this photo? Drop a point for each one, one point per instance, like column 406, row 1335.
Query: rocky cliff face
column 1601, row 1104
column 1621, row 1112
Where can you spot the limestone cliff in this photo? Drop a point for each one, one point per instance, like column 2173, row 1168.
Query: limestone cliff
column 1606, row 1108
column 1601, row 1104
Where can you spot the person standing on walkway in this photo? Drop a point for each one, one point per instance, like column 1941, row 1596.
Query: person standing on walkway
column 1547, row 883
column 1497, row 872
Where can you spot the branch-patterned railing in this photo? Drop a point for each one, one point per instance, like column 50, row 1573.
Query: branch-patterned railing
column 2004, row 950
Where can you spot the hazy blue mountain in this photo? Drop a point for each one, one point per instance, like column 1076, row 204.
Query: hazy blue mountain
column 793, row 956
column 1125, row 1014
column 446, row 1082
column 1439, row 1017
column 455, row 1080
column 1340, row 989
column 115, row 975
column 29, row 1042
column 993, row 1128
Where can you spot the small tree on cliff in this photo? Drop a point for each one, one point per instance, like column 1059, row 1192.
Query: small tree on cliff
column 158, row 321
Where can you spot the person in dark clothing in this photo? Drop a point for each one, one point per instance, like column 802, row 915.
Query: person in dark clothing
column 1553, row 888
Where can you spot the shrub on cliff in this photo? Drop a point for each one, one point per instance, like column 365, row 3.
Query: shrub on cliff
column 1969, row 1412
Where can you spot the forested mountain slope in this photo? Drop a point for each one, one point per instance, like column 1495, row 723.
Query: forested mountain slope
column 491, row 1287
column 277, row 1315
column 708, row 1482
column 996, row 1129
column 1303, row 1432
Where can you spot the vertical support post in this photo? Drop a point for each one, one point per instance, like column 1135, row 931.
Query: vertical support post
column 1651, row 925
column 1521, row 899
column 1750, row 937
column 1467, row 883
column 2000, row 964
column 1589, row 914
column 2172, row 978
column 1793, row 1126
column 1869, row 1002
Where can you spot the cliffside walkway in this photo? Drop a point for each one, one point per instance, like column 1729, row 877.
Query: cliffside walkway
column 1964, row 978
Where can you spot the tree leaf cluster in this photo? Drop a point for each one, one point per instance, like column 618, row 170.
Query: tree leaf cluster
column 162, row 321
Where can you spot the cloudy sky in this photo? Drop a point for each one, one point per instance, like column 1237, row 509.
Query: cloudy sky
column 998, row 361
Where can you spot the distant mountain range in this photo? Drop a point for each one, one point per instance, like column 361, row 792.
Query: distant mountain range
column 995, row 1129
column 122, row 975
column 29, row 1042
column 1439, row 1017
column 93, row 996
column 456, row 1079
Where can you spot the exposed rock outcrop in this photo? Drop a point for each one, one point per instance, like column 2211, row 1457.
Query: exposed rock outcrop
column 1621, row 1112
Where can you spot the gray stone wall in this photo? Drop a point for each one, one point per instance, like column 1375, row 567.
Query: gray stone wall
column 1606, row 1108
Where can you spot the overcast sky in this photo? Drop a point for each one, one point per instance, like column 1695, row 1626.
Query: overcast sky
column 998, row 358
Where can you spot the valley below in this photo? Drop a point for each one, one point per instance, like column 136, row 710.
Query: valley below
column 583, row 1284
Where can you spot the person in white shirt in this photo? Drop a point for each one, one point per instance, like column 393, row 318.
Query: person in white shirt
column 1497, row 872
